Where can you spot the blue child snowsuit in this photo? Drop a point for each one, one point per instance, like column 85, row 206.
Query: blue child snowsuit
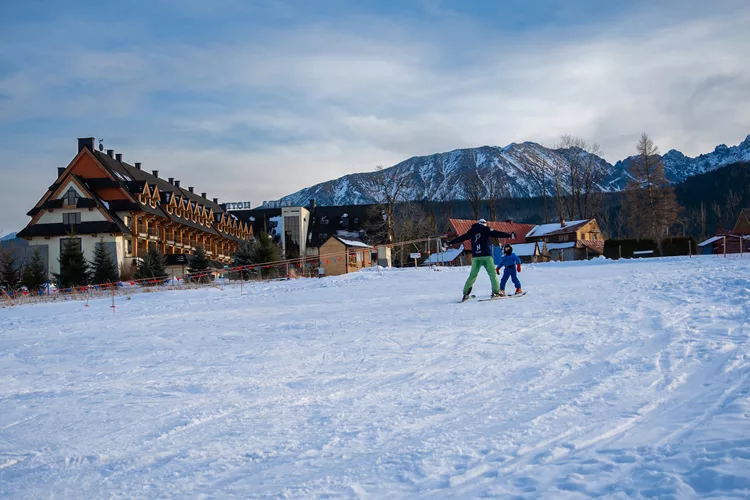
column 509, row 263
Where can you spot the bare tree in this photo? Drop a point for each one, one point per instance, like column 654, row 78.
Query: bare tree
column 580, row 175
column 412, row 222
column 651, row 204
column 474, row 190
column 539, row 171
column 388, row 188
column 497, row 188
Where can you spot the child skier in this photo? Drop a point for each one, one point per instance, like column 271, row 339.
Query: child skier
column 511, row 264
column 481, row 254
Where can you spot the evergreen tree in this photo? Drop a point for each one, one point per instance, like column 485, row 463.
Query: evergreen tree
column 34, row 273
column 266, row 250
column 74, row 270
column 199, row 263
column 153, row 265
column 10, row 273
column 104, row 269
column 245, row 255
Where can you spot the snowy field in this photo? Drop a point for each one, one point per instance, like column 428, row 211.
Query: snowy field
column 615, row 379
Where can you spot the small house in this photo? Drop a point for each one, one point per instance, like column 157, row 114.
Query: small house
column 569, row 240
column 341, row 256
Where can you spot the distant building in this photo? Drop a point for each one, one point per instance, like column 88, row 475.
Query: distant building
column 735, row 241
column 569, row 240
column 99, row 197
column 341, row 256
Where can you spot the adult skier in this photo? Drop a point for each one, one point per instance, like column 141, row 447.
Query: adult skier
column 481, row 254
column 511, row 264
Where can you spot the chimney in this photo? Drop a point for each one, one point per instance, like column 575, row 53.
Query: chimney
column 111, row 153
column 509, row 221
column 313, row 204
column 171, row 180
column 138, row 165
column 155, row 172
column 191, row 189
column 118, row 157
column 203, row 195
column 216, row 200
column 85, row 142
column 562, row 222
column 176, row 183
column 60, row 171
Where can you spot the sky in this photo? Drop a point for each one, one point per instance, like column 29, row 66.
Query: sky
column 254, row 100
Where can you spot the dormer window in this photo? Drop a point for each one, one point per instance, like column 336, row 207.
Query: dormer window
column 71, row 197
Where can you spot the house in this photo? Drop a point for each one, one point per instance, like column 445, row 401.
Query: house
column 569, row 240
column 450, row 257
column 100, row 198
column 457, row 227
column 736, row 241
column 341, row 255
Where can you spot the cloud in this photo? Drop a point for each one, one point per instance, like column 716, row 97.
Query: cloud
column 261, row 112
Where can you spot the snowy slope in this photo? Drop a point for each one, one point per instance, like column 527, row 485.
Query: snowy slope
column 441, row 176
column 625, row 379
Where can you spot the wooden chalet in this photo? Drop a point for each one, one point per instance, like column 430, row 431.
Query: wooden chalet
column 341, row 255
column 569, row 240
column 99, row 197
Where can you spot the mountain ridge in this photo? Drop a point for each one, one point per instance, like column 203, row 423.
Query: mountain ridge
column 442, row 176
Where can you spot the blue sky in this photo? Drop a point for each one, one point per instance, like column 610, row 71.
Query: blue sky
column 252, row 100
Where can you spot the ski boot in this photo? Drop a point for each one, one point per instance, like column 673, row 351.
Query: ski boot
column 498, row 295
column 466, row 296
column 519, row 291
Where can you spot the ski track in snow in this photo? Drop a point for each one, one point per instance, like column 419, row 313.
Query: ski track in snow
column 618, row 379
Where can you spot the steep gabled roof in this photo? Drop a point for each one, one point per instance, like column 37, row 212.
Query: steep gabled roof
column 556, row 228
column 461, row 226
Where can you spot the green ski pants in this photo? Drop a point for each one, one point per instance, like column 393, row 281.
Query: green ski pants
column 488, row 264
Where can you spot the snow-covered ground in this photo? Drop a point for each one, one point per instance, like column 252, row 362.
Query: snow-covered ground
column 617, row 379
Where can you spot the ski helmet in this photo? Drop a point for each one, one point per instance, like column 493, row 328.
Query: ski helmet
column 508, row 249
column 482, row 222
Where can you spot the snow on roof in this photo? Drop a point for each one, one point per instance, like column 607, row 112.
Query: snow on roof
column 352, row 243
column 560, row 246
column 544, row 229
column 524, row 249
column 447, row 256
column 709, row 241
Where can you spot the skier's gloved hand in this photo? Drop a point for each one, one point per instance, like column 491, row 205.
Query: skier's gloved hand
column 518, row 267
column 513, row 236
column 497, row 269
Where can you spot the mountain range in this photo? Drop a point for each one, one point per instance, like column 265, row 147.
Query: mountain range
column 442, row 176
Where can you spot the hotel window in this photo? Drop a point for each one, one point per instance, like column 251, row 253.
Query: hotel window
column 71, row 218
column 71, row 197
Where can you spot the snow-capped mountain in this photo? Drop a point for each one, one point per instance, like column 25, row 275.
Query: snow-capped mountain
column 8, row 237
column 442, row 176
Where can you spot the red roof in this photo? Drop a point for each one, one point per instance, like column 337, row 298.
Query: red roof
column 461, row 226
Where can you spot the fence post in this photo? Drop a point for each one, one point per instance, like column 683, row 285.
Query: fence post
column 620, row 249
column 690, row 248
column 725, row 246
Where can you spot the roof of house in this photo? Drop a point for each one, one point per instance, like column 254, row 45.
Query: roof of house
column 593, row 245
column 352, row 243
column 461, row 226
column 448, row 256
column 560, row 246
column 556, row 228
column 743, row 222
column 525, row 249
column 56, row 229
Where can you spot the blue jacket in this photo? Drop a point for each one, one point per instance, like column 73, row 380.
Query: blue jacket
column 480, row 239
column 508, row 260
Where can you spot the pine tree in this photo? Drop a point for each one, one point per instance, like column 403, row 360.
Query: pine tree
column 266, row 250
column 10, row 273
column 104, row 269
column 74, row 270
column 34, row 273
column 199, row 264
column 153, row 265
column 244, row 256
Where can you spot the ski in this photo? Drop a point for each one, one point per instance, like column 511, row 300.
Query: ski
column 515, row 295
column 470, row 297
